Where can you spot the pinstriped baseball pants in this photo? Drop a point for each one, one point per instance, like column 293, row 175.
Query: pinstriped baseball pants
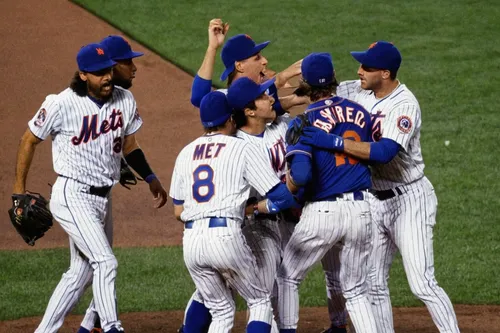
column 81, row 215
column 322, row 225
column 219, row 258
column 406, row 223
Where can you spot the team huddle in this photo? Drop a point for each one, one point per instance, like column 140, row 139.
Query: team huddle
column 263, row 196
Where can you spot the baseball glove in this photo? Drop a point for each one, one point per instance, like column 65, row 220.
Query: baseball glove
column 127, row 176
column 296, row 128
column 30, row 216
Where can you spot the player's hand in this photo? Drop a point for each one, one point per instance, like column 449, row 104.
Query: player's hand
column 159, row 193
column 217, row 31
column 318, row 138
column 287, row 74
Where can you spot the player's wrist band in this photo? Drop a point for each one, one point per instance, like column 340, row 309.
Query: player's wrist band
column 137, row 161
column 150, row 178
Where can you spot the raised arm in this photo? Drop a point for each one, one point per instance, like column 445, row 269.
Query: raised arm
column 202, row 83
column 25, row 154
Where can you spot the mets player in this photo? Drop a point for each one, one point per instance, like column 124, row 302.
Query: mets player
column 124, row 71
column 91, row 124
column 405, row 204
column 336, row 194
column 210, row 186
column 244, row 60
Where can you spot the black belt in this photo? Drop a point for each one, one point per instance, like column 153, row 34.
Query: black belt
column 215, row 222
column 100, row 191
column 387, row 194
column 357, row 196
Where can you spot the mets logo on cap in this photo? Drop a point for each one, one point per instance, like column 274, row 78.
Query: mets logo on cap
column 405, row 124
column 99, row 51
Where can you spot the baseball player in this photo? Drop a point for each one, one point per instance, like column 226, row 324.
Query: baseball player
column 124, row 70
column 404, row 207
column 210, row 186
column 337, row 207
column 242, row 59
column 91, row 124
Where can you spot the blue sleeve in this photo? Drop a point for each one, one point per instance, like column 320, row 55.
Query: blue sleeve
column 281, row 197
column 273, row 91
column 177, row 202
column 199, row 89
column 383, row 151
column 301, row 169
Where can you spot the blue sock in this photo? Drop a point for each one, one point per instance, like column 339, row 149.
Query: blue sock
column 258, row 327
column 288, row 330
column 83, row 330
column 198, row 318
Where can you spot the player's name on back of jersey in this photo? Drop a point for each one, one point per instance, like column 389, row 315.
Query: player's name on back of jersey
column 340, row 114
column 207, row 151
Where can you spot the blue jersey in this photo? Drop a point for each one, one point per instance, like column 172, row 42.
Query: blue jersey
column 335, row 172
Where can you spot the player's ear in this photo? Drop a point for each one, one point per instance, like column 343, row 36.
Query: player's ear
column 249, row 112
column 386, row 74
column 238, row 66
column 83, row 76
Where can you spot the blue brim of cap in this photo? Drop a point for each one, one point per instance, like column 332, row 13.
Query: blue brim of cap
column 219, row 121
column 255, row 50
column 264, row 86
column 99, row 66
column 129, row 55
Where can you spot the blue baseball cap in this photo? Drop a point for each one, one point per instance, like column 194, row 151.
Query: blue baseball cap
column 317, row 69
column 93, row 57
column 237, row 48
column 244, row 90
column 214, row 109
column 381, row 55
column 119, row 48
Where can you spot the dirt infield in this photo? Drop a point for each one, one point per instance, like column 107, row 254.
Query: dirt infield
column 39, row 43
column 473, row 319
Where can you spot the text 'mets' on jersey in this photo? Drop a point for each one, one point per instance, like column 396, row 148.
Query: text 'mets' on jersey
column 397, row 116
column 213, row 176
column 272, row 142
column 334, row 172
column 87, row 140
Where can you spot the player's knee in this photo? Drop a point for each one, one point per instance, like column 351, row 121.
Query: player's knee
column 224, row 310
column 107, row 263
column 423, row 288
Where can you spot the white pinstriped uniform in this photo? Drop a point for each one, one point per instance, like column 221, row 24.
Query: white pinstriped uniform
column 406, row 221
column 267, row 237
column 213, row 176
column 84, row 159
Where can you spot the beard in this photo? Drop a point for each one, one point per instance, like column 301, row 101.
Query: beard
column 125, row 84
column 99, row 92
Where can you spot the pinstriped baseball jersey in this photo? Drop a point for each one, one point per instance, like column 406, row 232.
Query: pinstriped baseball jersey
column 87, row 140
column 213, row 174
column 272, row 141
column 397, row 117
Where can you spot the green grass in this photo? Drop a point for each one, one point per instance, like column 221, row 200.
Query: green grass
column 451, row 62
column 155, row 279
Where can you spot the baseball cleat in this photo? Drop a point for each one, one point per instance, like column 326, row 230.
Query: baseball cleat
column 335, row 329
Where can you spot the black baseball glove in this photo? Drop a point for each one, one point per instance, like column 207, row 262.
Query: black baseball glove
column 30, row 216
column 127, row 176
column 296, row 128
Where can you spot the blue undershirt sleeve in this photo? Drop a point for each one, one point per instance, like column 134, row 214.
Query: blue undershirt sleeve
column 383, row 151
column 301, row 169
column 199, row 89
column 281, row 197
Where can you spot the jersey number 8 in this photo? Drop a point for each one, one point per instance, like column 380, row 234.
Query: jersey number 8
column 203, row 185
